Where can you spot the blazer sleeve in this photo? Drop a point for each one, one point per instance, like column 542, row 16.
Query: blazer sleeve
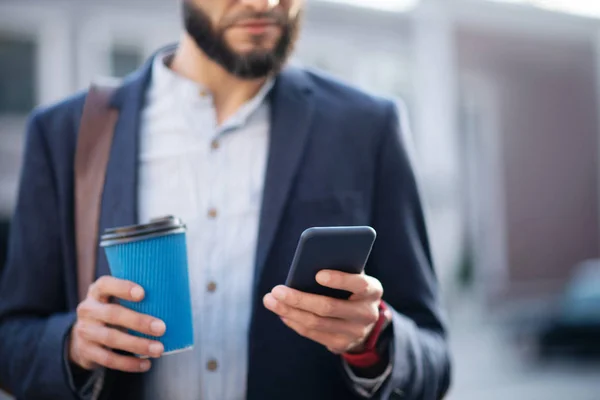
column 34, row 321
column 401, row 260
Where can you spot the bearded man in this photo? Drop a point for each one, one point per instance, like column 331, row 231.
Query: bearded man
column 248, row 152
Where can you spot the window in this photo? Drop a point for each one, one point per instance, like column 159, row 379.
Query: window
column 17, row 75
column 125, row 60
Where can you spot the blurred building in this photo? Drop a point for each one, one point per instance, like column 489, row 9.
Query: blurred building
column 502, row 100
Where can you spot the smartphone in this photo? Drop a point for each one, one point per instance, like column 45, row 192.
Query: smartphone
column 341, row 248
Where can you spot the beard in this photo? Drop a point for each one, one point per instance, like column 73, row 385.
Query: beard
column 248, row 65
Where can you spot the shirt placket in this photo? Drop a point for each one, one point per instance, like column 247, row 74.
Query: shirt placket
column 213, row 353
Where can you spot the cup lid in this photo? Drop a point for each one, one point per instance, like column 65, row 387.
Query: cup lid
column 156, row 227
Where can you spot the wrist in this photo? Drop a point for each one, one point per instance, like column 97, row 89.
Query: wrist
column 367, row 355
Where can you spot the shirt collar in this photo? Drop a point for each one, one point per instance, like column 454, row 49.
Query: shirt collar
column 165, row 80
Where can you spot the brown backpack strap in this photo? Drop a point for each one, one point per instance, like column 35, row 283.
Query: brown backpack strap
column 91, row 159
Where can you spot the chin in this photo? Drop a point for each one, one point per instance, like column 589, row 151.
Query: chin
column 253, row 51
column 252, row 46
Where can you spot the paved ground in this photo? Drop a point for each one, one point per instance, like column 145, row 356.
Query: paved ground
column 488, row 366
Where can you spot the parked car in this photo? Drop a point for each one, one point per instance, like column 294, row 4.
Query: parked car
column 574, row 327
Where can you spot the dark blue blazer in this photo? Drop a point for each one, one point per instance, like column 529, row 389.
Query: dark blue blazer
column 336, row 157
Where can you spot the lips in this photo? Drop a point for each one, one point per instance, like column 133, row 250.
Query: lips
column 264, row 23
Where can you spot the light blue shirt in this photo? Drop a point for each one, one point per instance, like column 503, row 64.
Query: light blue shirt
column 211, row 176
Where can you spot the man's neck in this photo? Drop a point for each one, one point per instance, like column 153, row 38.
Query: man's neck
column 229, row 92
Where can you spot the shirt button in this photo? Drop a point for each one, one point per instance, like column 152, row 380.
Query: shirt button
column 214, row 144
column 211, row 287
column 212, row 213
column 212, row 365
column 203, row 93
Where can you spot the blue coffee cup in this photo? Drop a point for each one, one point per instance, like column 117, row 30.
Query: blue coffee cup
column 154, row 256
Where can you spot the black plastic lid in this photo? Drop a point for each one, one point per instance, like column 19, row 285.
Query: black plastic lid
column 155, row 228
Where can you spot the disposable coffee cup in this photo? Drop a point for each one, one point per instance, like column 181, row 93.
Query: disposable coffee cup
column 154, row 256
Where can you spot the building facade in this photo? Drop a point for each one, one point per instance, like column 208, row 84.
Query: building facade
column 502, row 101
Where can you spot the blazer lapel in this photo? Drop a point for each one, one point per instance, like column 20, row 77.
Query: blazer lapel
column 291, row 116
column 119, row 199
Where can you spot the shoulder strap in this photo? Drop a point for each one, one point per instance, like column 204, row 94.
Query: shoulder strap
column 91, row 159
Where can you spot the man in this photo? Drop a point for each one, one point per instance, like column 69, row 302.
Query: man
column 248, row 153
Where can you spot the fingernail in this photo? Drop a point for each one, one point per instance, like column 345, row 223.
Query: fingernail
column 279, row 293
column 156, row 349
column 270, row 301
column 137, row 293
column 145, row 365
column 323, row 277
column 158, row 327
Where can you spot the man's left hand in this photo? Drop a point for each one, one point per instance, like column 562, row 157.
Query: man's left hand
column 340, row 325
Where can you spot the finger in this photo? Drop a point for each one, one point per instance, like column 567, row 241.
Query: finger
column 76, row 356
column 115, row 339
column 357, row 311
column 361, row 285
column 119, row 316
column 112, row 360
column 313, row 321
column 107, row 286
column 336, row 343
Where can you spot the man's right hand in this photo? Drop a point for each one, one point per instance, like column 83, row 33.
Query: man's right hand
column 101, row 326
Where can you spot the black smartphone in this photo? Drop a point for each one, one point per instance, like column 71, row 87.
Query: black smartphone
column 340, row 248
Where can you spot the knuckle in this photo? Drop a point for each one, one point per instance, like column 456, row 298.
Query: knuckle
column 302, row 330
column 295, row 299
column 80, row 329
column 85, row 355
column 313, row 322
column 83, row 309
column 108, row 337
column 328, row 307
column 372, row 318
column 280, row 308
column 107, row 359
column 103, row 281
column 101, row 284
column 86, row 364
column 341, row 344
column 371, row 314
column 363, row 332
column 112, row 314
column 374, row 315
column 91, row 289
column 363, row 287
